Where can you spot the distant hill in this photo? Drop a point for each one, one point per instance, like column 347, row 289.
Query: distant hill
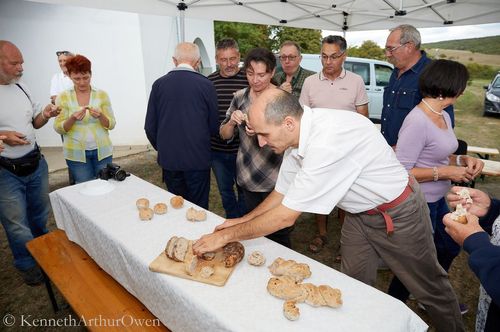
column 485, row 45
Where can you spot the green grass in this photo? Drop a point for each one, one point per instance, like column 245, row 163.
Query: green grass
column 486, row 45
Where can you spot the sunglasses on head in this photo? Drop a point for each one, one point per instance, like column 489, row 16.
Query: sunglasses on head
column 58, row 53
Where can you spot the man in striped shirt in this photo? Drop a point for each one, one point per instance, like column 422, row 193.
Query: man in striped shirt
column 227, row 80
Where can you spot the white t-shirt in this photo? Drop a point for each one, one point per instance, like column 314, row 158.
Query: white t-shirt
column 60, row 83
column 342, row 160
column 16, row 114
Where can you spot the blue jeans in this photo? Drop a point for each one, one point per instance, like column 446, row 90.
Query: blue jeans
column 24, row 208
column 192, row 185
column 224, row 168
column 86, row 171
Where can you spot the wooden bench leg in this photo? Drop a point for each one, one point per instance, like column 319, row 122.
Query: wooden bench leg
column 52, row 298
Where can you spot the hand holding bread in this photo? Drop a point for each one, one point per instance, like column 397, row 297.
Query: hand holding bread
column 480, row 201
column 458, row 231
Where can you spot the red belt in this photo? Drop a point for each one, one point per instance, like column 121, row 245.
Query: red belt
column 386, row 206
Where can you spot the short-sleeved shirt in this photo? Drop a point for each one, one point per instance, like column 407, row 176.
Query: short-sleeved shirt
column 342, row 159
column 400, row 96
column 226, row 88
column 346, row 92
column 17, row 112
column 298, row 79
column 60, row 83
column 256, row 168
column 422, row 144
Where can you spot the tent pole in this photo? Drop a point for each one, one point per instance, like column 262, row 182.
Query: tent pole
column 182, row 26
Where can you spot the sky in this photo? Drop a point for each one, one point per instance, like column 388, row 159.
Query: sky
column 428, row 35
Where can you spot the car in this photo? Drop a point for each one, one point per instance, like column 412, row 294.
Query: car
column 375, row 74
column 492, row 96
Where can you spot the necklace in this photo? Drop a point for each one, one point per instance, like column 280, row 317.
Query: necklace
column 431, row 109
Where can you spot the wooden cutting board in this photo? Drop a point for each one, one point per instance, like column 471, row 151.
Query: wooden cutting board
column 163, row 264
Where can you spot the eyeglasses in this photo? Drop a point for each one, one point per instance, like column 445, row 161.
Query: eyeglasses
column 392, row 49
column 332, row 57
column 59, row 53
column 288, row 57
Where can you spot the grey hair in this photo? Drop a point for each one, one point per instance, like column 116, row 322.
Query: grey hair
column 291, row 43
column 226, row 43
column 187, row 52
column 408, row 34
column 337, row 40
column 282, row 105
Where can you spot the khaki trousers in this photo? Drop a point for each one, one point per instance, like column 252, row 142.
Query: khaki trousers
column 410, row 254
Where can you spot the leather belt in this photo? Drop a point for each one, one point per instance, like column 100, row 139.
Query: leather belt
column 381, row 209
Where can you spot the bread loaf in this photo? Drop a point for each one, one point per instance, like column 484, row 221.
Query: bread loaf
column 233, row 253
column 195, row 215
column 206, row 272
column 256, row 258
column 208, row 256
column 290, row 310
column 142, row 203
column 160, row 208
column 285, row 288
column 169, row 249
column 146, row 214
column 177, row 202
column 298, row 271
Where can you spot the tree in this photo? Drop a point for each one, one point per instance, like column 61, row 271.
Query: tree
column 309, row 40
column 258, row 35
column 247, row 35
column 369, row 49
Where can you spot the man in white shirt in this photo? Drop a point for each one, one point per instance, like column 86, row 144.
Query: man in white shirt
column 60, row 81
column 334, row 157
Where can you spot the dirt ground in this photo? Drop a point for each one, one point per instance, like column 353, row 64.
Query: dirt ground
column 17, row 299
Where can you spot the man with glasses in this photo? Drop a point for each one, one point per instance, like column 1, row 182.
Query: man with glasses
column 334, row 88
column 291, row 76
column 60, row 81
column 402, row 49
column 227, row 80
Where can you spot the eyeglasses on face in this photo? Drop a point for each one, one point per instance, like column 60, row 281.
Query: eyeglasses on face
column 288, row 57
column 59, row 53
column 392, row 49
column 332, row 57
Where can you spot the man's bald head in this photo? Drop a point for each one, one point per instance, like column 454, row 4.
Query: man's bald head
column 11, row 63
column 276, row 105
column 188, row 53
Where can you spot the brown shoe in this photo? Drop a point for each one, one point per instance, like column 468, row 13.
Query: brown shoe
column 318, row 243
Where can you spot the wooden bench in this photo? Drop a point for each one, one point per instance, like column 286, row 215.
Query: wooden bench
column 89, row 290
column 491, row 167
column 483, row 153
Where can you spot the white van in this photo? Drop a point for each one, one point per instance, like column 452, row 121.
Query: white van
column 375, row 74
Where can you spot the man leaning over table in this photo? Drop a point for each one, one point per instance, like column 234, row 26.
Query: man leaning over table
column 337, row 88
column 334, row 157
column 24, row 201
column 291, row 76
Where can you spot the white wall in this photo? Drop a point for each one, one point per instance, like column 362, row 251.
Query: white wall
column 128, row 52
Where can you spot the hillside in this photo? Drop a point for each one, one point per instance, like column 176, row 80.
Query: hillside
column 485, row 45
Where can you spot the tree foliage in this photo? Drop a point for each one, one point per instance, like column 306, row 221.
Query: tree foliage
column 249, row 36
column 369, row 49
column 309, row 40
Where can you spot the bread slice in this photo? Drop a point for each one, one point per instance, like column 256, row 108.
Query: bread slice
column 169, row 249
column 190, row 260
column 180, row 249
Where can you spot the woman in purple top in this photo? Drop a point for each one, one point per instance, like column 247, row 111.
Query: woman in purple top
column 425, row 147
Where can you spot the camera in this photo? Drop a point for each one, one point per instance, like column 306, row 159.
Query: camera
column 112, row 171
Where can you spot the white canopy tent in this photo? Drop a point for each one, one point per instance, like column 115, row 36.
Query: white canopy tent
column 342, row 15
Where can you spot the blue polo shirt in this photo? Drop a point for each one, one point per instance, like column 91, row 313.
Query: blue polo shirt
column 400, row 97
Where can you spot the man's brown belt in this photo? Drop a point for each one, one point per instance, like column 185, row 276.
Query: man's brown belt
column 386, row 206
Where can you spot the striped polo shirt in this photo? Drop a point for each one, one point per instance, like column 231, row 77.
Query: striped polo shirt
column 226, row 87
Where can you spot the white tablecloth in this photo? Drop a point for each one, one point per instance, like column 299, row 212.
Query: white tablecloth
column 108, row 227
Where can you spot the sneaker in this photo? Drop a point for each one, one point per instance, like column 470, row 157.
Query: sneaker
column 463, row 307
column 33, row 276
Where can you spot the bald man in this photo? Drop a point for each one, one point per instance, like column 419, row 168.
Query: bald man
column 182, row 115
column 24, row 202
column 337, row 158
